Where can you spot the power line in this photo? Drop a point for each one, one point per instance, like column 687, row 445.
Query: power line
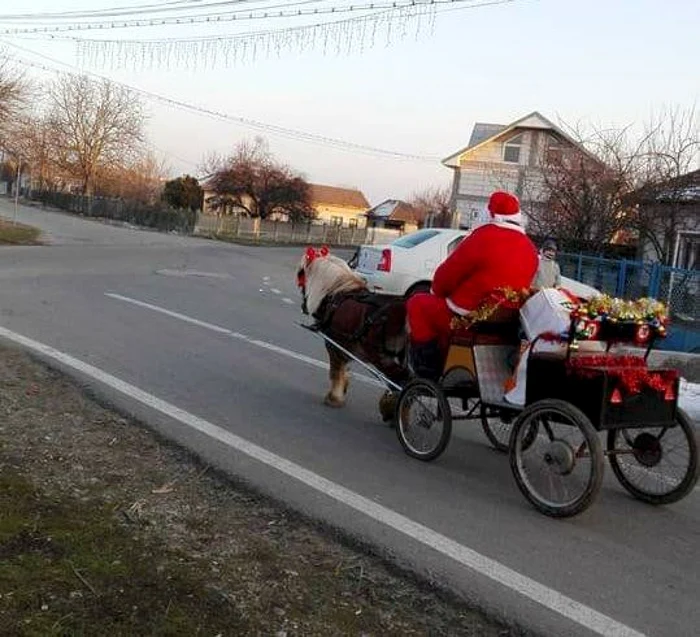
column 274, row 129
column 162, row 7
column 236, row 16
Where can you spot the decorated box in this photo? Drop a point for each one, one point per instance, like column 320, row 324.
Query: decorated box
column 612, row 390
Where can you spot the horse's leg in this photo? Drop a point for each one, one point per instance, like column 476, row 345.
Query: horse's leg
column 338, row 376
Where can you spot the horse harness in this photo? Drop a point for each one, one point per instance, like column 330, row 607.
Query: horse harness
column 375, row 314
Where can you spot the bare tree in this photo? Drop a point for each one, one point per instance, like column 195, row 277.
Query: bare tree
column 432, row 206
column 29, row 139
column 587, row 187
column 251, row 181
column 15, row 98
column 94, row 124
column 667, row 175
column 14, row 92
column 140, row 180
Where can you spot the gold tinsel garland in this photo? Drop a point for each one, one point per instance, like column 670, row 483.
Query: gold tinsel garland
column 500, row 298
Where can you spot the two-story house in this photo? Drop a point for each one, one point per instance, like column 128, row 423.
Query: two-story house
column 510, row 157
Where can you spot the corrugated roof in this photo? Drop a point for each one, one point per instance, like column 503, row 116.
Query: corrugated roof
column 334, row 196
column 682, row 189
column 484, row 131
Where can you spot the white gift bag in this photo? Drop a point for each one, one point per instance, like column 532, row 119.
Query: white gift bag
column 547, row 312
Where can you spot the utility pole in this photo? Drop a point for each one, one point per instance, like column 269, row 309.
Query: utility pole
column 19, row 163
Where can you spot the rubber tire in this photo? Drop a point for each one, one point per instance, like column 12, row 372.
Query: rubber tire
column 576, row 416
column 421, row 286
column 689, row 480
column 444, row 406
column 495, row 442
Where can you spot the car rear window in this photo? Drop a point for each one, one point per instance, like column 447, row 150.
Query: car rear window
column 452, row 246
column 415, row 238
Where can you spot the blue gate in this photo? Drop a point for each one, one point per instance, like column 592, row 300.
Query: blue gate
column 678, row 288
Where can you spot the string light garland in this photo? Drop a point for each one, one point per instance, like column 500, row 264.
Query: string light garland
column 339, row 37
column 385, row 22
column 239, row 16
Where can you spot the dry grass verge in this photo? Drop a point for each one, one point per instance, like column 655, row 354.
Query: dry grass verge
column 106, row 530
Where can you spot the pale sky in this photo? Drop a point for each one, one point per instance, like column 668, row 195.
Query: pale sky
column 609, row 62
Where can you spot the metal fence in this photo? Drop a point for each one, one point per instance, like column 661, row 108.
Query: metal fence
column 305, row 232
column 678, row 288
column 156, row 215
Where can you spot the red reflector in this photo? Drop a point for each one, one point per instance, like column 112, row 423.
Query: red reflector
column 616, row 397
column 670, row 393
column 384, row 264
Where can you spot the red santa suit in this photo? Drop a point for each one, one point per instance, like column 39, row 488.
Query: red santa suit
column 496, row 255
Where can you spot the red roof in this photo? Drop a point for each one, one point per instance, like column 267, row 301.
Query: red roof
column 334, row 196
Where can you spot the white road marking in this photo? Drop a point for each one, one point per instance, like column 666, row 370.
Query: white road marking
column 195, row 273
column 237, row 335
column 275, row 291
column 287, row 300
column 527, row 587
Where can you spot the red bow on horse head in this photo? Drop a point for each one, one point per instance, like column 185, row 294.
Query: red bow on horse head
column 312, row 253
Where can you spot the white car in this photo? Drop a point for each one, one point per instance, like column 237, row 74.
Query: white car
column 407, row 264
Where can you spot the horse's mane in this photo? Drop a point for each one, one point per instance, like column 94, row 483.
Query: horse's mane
column 329, row 275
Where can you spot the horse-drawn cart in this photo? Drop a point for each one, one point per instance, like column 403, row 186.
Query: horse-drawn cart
column 575, row 389
column 556, row 455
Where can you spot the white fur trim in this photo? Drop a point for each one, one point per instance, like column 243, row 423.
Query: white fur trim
column 516, row 218
column 455, row 308
column 508, row 226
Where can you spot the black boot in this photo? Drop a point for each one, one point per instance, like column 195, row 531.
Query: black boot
column 426, row 360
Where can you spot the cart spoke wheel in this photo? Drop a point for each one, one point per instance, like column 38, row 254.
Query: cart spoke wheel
column 657, row 465
column 498, row 425
column 423, row 420
column 556, row 458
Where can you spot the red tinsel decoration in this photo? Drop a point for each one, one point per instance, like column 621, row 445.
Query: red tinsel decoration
column 630, row 372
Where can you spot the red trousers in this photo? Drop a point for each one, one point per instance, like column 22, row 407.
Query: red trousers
column 428, row 318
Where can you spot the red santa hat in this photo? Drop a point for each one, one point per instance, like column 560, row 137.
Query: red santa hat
column 504, row 206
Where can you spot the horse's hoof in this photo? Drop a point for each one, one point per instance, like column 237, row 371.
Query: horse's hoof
column 387, row 406
column 331, row 401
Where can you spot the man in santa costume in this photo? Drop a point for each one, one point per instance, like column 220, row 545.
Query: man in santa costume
column 497, row 254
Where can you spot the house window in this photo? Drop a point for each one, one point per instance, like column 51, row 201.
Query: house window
column 511, row 149
column 688, row 254
column 352, row 223
column 336, row 221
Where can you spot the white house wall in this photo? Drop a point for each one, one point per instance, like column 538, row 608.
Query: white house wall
column 482, row 170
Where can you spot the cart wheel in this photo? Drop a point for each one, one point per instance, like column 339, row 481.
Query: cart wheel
column 498, row 425
column 423, row 419
column 658, row 465
column 560, row 469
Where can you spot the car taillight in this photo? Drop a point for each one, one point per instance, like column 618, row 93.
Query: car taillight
column 384, row 264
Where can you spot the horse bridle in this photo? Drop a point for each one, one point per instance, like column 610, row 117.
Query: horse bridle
column 301, row 284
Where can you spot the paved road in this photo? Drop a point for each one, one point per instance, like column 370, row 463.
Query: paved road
column 210, row 328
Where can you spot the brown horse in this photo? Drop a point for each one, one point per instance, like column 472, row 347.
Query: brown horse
column 371, row 327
